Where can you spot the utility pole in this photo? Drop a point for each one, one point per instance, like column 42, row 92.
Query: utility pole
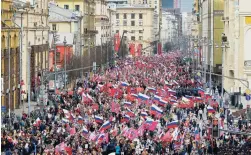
column 107, row 59
column 65, row 62
column 101, row 51
column 29, row 78
column 55, row 60
column 9, row 73
column 89, row 49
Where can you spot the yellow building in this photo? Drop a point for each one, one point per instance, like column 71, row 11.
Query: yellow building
column 9, row 43
column 137, row 21
column 86, row 9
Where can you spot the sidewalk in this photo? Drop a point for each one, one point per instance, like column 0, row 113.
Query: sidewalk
column 24, row 108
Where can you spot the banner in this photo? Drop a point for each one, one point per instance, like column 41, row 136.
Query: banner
column 116, row 42
column 159, row 49
column 139, row 48
column 132, row 49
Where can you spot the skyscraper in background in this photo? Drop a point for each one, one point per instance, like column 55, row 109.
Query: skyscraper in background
column 167, row 3
column 184, row 5
column 176, row 4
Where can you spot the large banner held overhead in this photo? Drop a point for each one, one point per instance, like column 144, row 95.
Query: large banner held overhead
column 116, row 42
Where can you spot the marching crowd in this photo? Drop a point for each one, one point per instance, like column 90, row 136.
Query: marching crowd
column 146, row 105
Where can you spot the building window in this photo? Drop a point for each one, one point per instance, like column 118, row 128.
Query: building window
column 125, row 37
column 132, row 16
column 117, row 22
column 132, row 23
column 66, row 7
column 54, row 27
column 140, row 23
column 117, row 16
column 58, row 57
column 76, row 7
column 140, row 37
column 117, row 31
column 133, row 38
column 140, row 31
column 125, row 16
column 132, row 31
column 140, row 16
column 124, row 23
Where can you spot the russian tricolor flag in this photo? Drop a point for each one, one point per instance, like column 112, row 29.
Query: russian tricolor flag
column 172, row 124
column 130, row 113
column 105, row 126
column 85, row 131
column 171, row 91
column 156, row 97
column 173, row 97
column 210, row 109
column 80, row 120
column 127, row 117
column 135, row 95
column 98, row 119
column 162, row 102
column 125, row 84
column 143, row 96
column 201, row 91
column 173, row 101
column 156, row 110
column 189, row 97
column 151, row 89
column 128, row 104
column 143, row 114
column 166, row 83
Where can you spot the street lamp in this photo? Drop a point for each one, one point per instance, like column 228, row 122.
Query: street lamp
column 65, row 61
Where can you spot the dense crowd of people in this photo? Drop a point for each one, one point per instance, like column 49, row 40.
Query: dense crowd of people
column 146, row 105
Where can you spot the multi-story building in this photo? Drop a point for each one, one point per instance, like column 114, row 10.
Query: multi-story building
column 169, row 27
column 10, row 61
column 212, row 29
column 65, row 24
column 33, row 18
column 237, row 60
column 157, row 5
column 137, row 22
column 85, row 9
column 196, row 19
column 187, row 22
column 102, row 22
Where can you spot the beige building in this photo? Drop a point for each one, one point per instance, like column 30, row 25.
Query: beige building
column 102, row 22
column 237, row 64
column 157, row 18
column 137, row 21
column 34, row 20
column 86, row 10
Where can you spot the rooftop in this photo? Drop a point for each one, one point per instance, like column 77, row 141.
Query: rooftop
column 140, row 6
column 60, row 14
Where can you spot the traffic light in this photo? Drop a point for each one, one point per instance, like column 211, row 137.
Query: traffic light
column 215, row 128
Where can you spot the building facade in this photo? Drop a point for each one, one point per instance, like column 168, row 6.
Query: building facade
column 102, row 22
column 137, row 21
column 10, row 60
column 237, row 22
column 169, row 27
column 33, row 18
column 85, row 9
column 212, row 29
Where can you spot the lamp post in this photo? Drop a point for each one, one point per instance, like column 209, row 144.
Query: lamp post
column 29, row 78
column 65, row 61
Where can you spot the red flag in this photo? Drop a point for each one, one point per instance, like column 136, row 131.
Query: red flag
column 153, row 126
column 159, row 49
column 132, row 49
column 72, row 131
column 116, row 42
column 139, row 49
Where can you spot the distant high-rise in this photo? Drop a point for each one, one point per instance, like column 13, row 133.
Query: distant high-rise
column 176, row 4
column 167, row 3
